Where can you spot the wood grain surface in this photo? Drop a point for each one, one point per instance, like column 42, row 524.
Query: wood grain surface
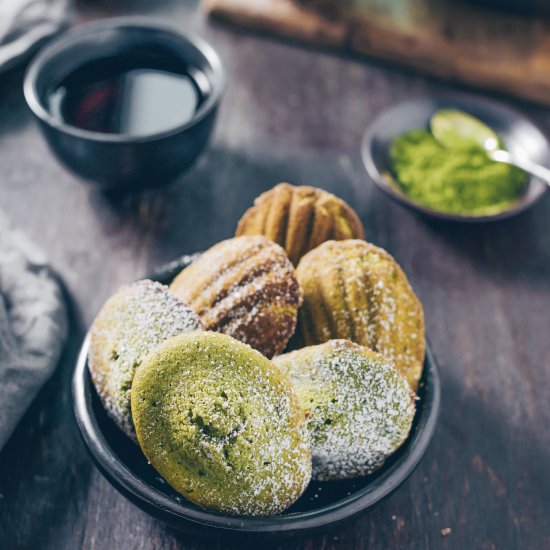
column 297, row 115
column 452, row 39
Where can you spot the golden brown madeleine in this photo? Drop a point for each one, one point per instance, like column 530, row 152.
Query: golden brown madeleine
column 300, row 218
column 354, row 290
column 246, row 288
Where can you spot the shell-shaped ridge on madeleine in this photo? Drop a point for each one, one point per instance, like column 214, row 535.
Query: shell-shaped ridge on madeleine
column 355, row 290
column 299, row 218
column 244, row 287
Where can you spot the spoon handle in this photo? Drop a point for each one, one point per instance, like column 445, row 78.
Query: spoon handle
column 531, row 167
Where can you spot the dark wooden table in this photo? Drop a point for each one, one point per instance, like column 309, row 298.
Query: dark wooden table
column 298, row 115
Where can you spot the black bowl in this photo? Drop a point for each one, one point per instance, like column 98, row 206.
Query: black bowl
column 521, row 137
column 118, row 161
column 323, row 505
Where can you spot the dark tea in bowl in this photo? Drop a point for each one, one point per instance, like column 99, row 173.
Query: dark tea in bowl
column 132, row 97
column 124, row 103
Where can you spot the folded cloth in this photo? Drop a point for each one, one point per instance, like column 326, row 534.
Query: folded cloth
column 33, row 325
column 25, row 24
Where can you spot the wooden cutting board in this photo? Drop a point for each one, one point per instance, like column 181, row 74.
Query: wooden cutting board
column 448, row 38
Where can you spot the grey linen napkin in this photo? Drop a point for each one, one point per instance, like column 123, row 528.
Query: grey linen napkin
column 33, row 324
column 25, row 24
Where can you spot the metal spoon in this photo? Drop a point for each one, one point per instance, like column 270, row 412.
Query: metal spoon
column 501, row 155
column 450, row 125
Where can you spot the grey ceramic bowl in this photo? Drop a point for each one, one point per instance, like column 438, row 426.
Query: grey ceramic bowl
column 323, row 506
column 119, row 161
column 520, row 135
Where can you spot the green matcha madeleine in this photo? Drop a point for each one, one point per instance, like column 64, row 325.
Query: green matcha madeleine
column 356, row 291
column 359, row 408
column 222, row 425
column 130, row 324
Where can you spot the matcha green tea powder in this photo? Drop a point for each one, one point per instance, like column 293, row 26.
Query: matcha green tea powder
column 459, row 178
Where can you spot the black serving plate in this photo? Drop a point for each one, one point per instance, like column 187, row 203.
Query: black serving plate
column 323, row 505
column 521, row 137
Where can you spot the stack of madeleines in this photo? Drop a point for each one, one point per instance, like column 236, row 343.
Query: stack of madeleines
column 194, row 374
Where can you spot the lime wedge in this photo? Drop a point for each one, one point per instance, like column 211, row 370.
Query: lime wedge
column 454, row 128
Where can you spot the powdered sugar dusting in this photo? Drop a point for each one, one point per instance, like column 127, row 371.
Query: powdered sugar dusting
column 245, row 288
column 359, row 408
column 131, row 323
